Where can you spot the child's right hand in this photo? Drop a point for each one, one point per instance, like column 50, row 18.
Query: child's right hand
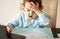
column 9, row 30
column 35, row 7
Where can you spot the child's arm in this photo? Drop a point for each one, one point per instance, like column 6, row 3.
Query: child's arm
column 44, row 19
column 14, row 22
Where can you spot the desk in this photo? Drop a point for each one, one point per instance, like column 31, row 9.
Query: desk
column 16, row 36
column 35, row 32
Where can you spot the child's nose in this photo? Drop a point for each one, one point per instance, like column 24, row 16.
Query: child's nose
column 31, row 12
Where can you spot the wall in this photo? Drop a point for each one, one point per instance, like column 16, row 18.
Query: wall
column 58, row 15
column 8, row 8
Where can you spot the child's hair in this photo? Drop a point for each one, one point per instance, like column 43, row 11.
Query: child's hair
column 22, row 5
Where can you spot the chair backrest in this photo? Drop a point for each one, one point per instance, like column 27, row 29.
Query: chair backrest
column 50, row 7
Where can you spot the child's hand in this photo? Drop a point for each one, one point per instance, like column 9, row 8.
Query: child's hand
column 35, row 7
column 9, row 30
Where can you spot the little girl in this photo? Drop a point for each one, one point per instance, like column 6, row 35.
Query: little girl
column 32, row 16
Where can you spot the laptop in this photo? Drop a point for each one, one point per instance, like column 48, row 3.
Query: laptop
column 3, row 32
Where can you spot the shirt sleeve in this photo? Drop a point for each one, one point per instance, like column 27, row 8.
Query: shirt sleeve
column 44, row 19
column 16, row 21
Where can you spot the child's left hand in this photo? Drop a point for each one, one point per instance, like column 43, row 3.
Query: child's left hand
column 9, row 30
column 35, row 7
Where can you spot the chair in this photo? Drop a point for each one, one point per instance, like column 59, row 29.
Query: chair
column 50, row 7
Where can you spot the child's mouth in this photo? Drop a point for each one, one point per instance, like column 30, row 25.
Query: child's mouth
column 30, row 16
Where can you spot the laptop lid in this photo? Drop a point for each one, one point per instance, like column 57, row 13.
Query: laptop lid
column 3, row 32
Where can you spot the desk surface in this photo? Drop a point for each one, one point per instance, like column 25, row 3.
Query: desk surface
column 34, row 32
column 16, row 35
column 43, row 29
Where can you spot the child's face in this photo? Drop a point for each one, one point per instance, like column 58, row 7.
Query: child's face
column 28, row 11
